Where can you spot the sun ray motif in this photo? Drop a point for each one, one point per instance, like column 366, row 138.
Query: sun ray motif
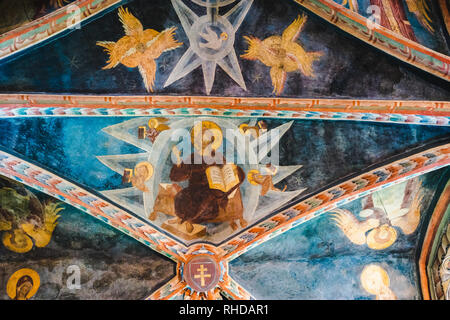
column 211, row 40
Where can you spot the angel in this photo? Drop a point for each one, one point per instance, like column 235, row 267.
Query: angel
column 380, row 223
column 283, row 54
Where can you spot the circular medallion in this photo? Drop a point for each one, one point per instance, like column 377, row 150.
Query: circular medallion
column 201, row 273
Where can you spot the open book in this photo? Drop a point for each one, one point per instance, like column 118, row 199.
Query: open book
column 222, row 179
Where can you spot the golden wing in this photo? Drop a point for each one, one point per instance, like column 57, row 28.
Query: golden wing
column 304, row 59
column 164, row 41
column 422, row 10
column 122, row 49
column 147, row 68
column 293, row 31
column 278, row 76
column 258, row 51
column 131, row 24
column 114, row 58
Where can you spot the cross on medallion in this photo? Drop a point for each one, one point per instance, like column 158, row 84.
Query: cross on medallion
column 202, row 275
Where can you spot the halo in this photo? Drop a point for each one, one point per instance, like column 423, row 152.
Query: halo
column 382, row 237
column 152, row 123
column 148, row 166
column 11, row 287
column 200, row 128
column 242, row 126
column 250, row 176
column 373, row 277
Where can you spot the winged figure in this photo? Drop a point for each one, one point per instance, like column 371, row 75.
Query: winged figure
column 378, row 228
column 282, row 54
column 139, row 48
column 23, row 218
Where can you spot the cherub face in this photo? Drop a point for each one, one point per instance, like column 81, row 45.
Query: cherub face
column 141, row 172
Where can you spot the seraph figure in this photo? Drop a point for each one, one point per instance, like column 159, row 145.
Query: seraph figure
column 139, row 48
column 283, row 54
column 380, row 223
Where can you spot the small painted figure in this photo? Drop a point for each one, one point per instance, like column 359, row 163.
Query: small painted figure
column 265, row 180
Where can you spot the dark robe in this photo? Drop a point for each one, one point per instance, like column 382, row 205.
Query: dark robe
column 197, row 203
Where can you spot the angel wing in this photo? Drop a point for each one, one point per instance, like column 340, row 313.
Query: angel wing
column 278, row 77
column 164, row 41
column 293, row 31
column 258, row 51
column 131, row 24
column 147, row 68
column 408, row 223
column 353, row 229
column 422, row 10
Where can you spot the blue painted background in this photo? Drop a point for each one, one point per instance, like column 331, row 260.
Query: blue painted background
column 316, row 261
column 348, row 69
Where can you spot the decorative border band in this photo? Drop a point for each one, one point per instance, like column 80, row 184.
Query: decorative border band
column 430, row 239
column 380, row 37
column 406, row 112
column 68, row 192
column 336, row 196
column 50, row 25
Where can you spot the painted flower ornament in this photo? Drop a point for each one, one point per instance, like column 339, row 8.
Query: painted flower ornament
column 139, row 48
column 283, row 54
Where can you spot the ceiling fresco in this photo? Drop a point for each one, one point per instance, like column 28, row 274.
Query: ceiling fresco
column 338, row 66
column 81, row 258
column 416, row 20
column 108, row 158
column 319, row 261
column 17, row 13
column 224, row 149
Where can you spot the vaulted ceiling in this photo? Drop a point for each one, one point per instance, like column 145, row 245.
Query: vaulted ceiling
column 338, row 128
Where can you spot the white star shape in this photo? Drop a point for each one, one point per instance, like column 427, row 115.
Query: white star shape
column 217, row 50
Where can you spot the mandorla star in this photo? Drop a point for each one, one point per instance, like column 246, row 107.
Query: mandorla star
column 283, row 54
column 139, row 48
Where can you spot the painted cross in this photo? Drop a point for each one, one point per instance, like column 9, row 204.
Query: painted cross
column 202, row 275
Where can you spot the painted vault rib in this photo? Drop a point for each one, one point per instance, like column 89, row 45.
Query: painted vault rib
column 382, row 177
column 432, row 237
column 51, row 25
column 380, row 37
column 390, row 111
column 42, row 180
column 369, row 182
